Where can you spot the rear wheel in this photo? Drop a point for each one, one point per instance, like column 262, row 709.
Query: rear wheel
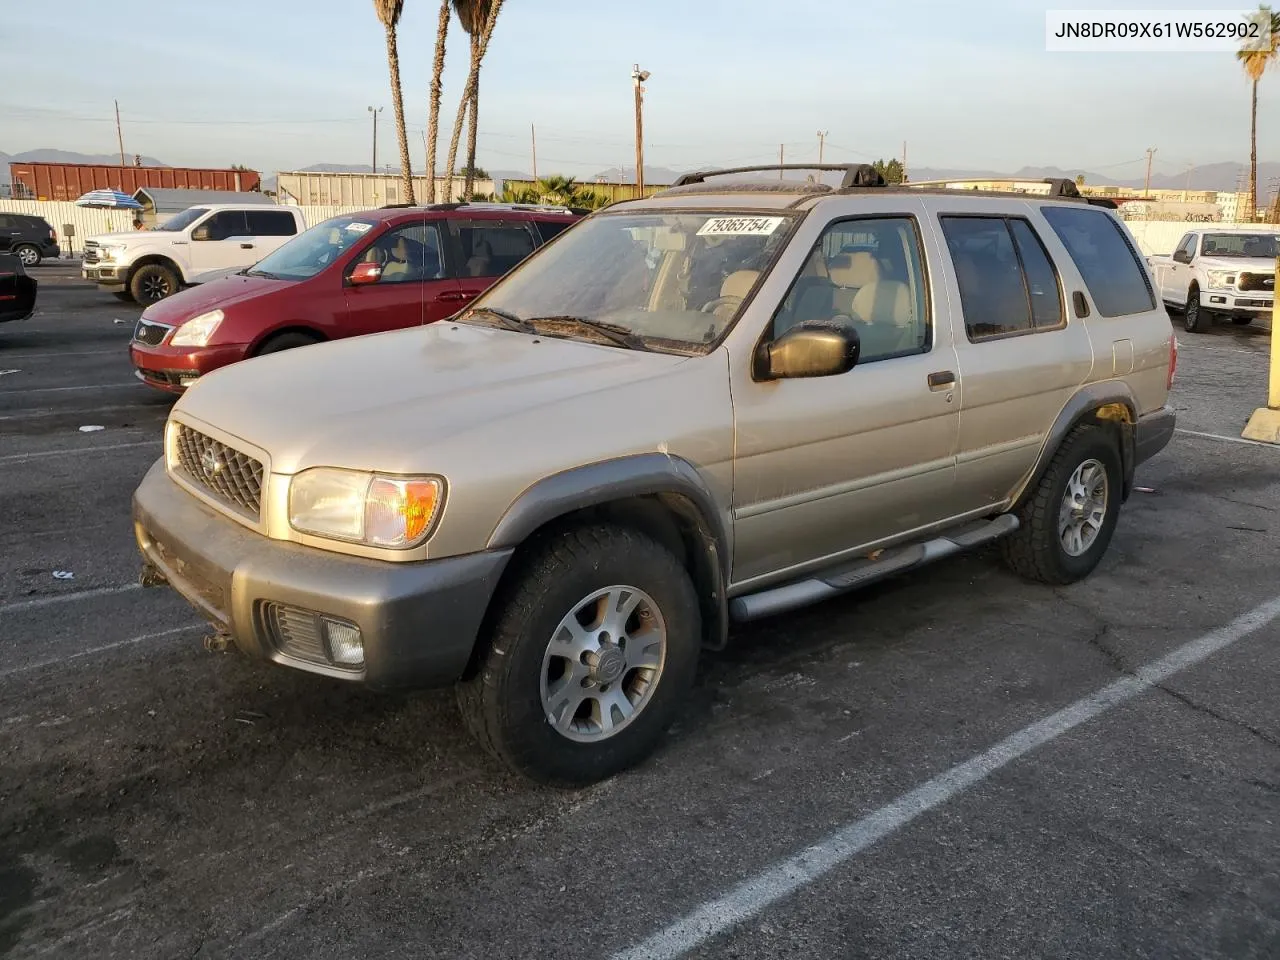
column 593, row 652
column 1195, row 318
column 29, row 254
column 152, row 283
column 286, row 341
column 1067, row 523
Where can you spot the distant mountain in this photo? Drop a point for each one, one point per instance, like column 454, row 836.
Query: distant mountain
column 651, row 175
column 1212, row 176
column 51, row 155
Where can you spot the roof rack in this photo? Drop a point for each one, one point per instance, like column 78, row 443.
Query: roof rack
column 855, row 174
column 1058, row 186
column 487, row 205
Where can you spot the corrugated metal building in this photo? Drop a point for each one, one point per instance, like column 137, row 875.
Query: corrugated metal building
column 67, row 181
column 319, row 188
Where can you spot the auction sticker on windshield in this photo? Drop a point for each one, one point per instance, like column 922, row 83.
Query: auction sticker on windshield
column 740, row 226
column 358, row 227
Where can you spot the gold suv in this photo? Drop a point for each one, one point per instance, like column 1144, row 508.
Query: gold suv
column 724, row 402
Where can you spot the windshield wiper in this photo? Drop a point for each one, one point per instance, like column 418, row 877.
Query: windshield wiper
column 510, row 319
column 619, row 335
column 259, row 273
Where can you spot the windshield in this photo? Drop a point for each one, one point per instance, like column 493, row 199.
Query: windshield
column 678, row 278
column 312, row 250
column 1238, row 245
column 183, row 220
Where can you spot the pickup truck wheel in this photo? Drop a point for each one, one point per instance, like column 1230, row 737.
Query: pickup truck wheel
column 1068, row 521
column 152, row 283
column 1194, row 317
column 593, row 652
column 285, row 341
column 28, row 253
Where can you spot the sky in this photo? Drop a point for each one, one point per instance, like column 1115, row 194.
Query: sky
column 281, row 84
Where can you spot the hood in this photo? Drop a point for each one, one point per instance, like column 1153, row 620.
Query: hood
column 1239, row 264
column 122, row 235
column 383, row 400
column 216, row 294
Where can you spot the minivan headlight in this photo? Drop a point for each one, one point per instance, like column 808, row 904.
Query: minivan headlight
column 197, row 331
column 369, row 508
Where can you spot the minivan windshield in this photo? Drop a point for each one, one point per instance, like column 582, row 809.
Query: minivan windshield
column 312, row 250
column 674, row 280
column 183, row 220
column 1238, row 245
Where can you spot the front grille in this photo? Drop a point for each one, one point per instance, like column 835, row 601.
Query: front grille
column 233, row 477
column 294, row 631
column 152, row 334
column 90, row 252
column 1257, row 281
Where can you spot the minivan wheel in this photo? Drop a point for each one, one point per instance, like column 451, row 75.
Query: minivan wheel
column 593, row 651
column 28, row 254
column 152, row 283
column 285, row 341
column 1195, row 318
column 1068, row 521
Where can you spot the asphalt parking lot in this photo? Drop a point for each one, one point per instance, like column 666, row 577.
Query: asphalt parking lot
column 954, row 764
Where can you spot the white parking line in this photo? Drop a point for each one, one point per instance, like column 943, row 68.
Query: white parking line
column 24, row 457
column 88, row 386
column 39, row 664
column 1225, row 439
column 66, row 598
column 51, row 412
column 19, row 355
column 754, row 895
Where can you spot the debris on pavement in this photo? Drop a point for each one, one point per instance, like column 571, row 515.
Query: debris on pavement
column 63, row 575
column 91, row 428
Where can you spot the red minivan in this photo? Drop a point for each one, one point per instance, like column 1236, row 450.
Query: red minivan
column 351, row 275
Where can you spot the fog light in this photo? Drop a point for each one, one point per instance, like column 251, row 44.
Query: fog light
column 343, row 642
column 1217, row 299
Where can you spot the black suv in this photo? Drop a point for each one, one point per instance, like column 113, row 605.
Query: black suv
column 30, row 238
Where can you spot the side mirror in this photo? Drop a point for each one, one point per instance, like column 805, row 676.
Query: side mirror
column 365, row 273
column 816, row 349
column 1181, row 256
column 200, row 233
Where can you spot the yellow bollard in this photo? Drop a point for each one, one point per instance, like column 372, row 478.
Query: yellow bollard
column 1264, row 425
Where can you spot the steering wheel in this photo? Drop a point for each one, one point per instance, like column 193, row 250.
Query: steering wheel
column 711, row 306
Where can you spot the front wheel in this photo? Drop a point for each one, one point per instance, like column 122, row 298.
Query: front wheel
column 593, row 652
column 152, row 283
column 1195, row 318
column 1068, row 521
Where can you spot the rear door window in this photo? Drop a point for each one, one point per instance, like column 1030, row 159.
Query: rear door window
column 227, row 223
column 1107, row 262
column 489, row 248
column 552, row 228
column 271, row 223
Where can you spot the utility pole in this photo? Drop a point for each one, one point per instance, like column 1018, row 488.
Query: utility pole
column 533, row 139
column 375, row 137
column 822, row 143
column 638, row 77
column 1146, row 186
column 119, row 135
column 782, row 149
column 904, row 161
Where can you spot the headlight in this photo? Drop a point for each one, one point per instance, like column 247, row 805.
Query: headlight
column 368, row 508
column 197, row 331
column 1219, row 279
column 110, row 252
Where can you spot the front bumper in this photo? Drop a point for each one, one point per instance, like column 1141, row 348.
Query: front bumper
column 174, row 368
column 1232, row 303
column 1153, row 433
column 105, row 274
column 419, row 621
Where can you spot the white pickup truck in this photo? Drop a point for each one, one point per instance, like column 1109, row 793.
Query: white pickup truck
column 198, row 244
column 1219, row 272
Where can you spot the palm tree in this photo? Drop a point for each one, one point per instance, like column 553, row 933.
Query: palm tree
column 389, row 13
column 433, row 115
column 557, row 189
column 1255, row 63
column 478, row 18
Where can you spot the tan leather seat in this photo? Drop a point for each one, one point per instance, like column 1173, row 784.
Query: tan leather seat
column 739, row 283
column 850, row 272
column 398, row 266
column 886, row 320
column 480, row 263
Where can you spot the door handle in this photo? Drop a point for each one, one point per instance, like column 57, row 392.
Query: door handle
column 454, row 295
column 246, row 246
column 943, row 378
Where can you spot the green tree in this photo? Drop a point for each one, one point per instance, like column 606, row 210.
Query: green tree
column 891, row 170
column 388, row 12
column 1079, row 179
column 433, row 108
column 1255, row 64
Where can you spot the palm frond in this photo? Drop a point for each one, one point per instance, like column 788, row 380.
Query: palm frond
column 388, row 11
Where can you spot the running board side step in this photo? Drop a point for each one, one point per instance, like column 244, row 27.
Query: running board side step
column 840, row 580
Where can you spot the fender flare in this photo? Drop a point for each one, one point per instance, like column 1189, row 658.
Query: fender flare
column 624, row 478
column 1107, row 400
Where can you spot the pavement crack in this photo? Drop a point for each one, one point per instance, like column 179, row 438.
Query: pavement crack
column 1100, row 632
column 1188, row 701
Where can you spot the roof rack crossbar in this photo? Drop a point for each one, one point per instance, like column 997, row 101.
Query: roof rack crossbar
column 855, row 174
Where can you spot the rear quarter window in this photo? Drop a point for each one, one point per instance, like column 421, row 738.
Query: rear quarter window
column 1107, row 262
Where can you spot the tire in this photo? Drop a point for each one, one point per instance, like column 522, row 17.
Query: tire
column 1036, row 550
column 1242, row 321
column 1195, row 318
column 530, row 655
column 29, row 254
column 285, row 341
column 123, row 295
column 152, row 283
